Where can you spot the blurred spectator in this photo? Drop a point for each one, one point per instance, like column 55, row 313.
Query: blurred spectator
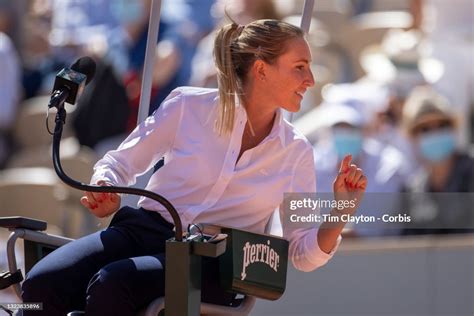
column 380, row 108
column 429, row 120
column 9, row 94
column 383, row 165
column 346, row 134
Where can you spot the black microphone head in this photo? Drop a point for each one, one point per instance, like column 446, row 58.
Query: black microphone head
column 85, row 65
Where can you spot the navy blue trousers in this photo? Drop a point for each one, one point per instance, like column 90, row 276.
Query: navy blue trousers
column 117, row 271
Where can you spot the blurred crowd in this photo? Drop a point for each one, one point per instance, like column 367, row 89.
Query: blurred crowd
column 394, row 82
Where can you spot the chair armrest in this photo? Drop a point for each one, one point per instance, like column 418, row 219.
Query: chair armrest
column 30, row 237
column 23, row 222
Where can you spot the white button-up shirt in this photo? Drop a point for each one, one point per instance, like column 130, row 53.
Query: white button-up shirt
column 202, row 177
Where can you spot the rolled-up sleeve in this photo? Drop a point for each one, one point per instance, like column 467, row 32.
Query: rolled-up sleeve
column 304, row 251
column 142, row 149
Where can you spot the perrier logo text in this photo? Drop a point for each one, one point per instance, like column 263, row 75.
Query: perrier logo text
column 263, row 253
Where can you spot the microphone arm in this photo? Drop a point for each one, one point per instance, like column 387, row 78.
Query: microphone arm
column 60, row 120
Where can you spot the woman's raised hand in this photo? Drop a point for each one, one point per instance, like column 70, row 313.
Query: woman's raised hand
column 350, row 184
column 101, row 204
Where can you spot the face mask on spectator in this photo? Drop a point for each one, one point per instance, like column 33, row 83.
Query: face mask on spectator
column 437, row 145
column 347, row 141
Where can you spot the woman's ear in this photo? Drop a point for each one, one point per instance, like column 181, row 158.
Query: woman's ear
column 259, row 70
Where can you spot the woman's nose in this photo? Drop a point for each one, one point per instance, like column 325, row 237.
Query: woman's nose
column 310, row 78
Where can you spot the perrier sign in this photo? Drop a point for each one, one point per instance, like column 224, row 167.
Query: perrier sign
column 254, row 264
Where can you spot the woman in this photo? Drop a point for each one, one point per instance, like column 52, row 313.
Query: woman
column 229, row 157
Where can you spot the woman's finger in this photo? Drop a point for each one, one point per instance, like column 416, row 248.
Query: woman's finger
column 91, row 199
column 114, row 198
column 85, row 202
column 351, row 174
column 345, row 164
column 358, row 175
column 362, row 183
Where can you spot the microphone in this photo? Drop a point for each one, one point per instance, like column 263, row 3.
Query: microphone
column 70, row 82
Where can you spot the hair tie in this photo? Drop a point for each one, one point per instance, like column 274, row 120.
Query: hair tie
column 240, row 28
column 258, row 52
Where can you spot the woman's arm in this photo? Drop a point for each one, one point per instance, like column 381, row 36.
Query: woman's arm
column 136, row 155
column 304, row 251
column 142, row 149
column 311, row 248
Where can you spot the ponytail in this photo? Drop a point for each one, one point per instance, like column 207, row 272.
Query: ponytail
column 227, row 80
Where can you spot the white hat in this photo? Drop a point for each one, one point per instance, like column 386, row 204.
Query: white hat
column 366, row 97
column 335, row 113
column 325, row 116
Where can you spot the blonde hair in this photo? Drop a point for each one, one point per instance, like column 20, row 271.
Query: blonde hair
column 236, row 48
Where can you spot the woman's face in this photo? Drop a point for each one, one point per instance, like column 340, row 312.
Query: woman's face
column 290, row 76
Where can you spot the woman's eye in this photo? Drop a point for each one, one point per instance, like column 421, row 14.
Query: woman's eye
column 300, row 67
